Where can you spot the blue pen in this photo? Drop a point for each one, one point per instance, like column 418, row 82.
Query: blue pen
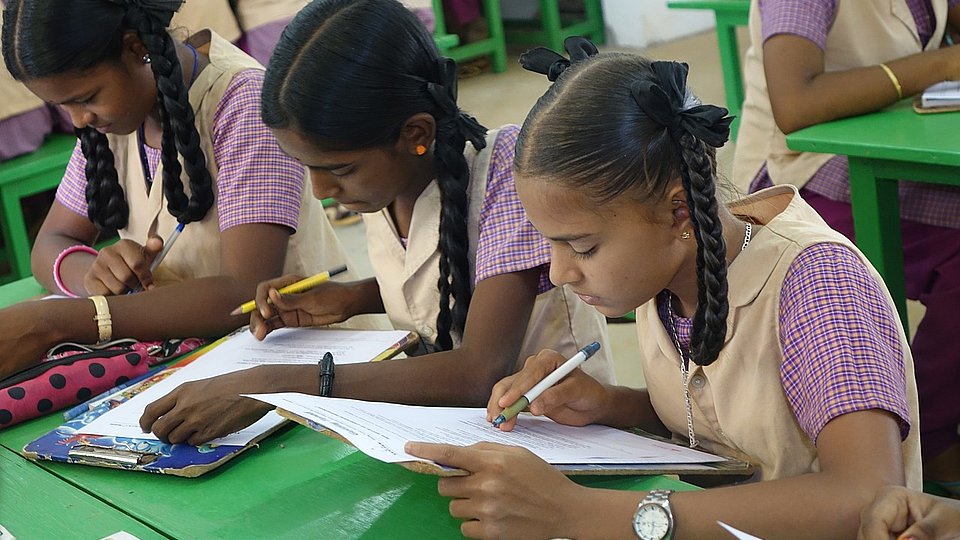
column 553, row 378
column 163, row 252
column 89, row 404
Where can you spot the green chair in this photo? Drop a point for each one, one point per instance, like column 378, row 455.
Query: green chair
column 494, row 45
column 20, row 178
column 551, row 29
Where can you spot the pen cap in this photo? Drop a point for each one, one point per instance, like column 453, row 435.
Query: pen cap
column 591, row 349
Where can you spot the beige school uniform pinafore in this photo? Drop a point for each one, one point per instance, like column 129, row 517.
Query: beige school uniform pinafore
column 739, row 405
column 865, row 33
column 311, row 249
column 408, row 278
column 195, row 15
column 256, row 13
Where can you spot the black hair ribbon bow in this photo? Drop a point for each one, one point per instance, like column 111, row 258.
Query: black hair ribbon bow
column 550, row 63
column 444, row 95
column 664, row 103
column 161, row 10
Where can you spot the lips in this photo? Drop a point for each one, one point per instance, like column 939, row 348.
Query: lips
column 103, row 129
column 589, row 300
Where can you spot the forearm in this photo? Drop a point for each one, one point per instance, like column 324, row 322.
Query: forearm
column 449, row 378
column 367, row 299
column 630, row 407
column 800, row 101
column 73, row 267
column 816, row 505
column 199, row 307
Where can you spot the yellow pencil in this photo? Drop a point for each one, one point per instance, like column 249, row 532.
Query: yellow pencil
column 298, row 287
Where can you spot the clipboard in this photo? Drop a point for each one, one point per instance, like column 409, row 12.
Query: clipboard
column 728, row 466
column 66, row 445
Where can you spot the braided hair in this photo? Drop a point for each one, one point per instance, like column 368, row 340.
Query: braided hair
column 41, row 38
column 348, row 74
column 653, row 131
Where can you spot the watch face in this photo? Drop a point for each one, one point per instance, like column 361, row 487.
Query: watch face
column 651, row 522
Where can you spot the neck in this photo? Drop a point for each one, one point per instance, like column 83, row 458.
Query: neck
column 685, row 287
column 423, row 172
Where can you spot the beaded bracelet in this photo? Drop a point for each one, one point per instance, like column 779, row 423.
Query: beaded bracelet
column 59, row 260
column 326, row 375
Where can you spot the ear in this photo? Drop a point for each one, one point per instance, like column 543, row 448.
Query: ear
column 133, row 49
column 675, row 201
column 419, row 130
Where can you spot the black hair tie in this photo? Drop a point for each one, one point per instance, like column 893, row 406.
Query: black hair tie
column 162, row 10
column 547, row 62
column 664, row 104
column 444, row 94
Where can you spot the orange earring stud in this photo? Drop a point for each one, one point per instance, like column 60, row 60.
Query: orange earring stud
column 685, row 235
column 421, row 149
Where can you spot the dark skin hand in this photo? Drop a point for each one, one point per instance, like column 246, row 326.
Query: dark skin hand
column 201, row 411
column 859, row 453
column 803, row 94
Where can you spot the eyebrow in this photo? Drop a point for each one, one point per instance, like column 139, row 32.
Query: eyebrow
column 569, row 237
column 331, row 167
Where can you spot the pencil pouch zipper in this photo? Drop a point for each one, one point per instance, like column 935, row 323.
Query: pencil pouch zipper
column 36, row 370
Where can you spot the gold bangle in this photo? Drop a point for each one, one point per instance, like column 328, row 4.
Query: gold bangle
column 893, row 79
column 102, row 318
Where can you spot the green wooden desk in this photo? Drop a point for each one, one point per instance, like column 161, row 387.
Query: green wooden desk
column 884, row 147
column 729, row 14
column 36, row 504
column 295, row 484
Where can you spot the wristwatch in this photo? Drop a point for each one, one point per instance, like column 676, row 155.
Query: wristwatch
column 654, row 518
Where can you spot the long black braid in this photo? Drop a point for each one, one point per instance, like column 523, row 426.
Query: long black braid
column 349, row 74
column 615, row 123
column 41, row 38
column 180, row 135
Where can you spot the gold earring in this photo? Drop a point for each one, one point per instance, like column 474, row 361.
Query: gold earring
column 685, row 235
column 421, row 150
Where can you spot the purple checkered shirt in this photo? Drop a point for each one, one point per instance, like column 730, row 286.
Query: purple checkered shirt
column 841, row 348
column 256, row 182
column 932, row 204
column 508, row 242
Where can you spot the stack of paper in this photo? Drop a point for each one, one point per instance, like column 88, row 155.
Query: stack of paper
column 944, row 94
column 381, row 429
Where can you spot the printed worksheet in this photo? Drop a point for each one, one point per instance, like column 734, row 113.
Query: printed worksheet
column 243, row 351
column 381, row 429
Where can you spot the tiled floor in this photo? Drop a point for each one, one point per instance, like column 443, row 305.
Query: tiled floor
column 497, row 99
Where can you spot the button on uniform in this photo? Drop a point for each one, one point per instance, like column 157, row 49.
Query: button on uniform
column 698, row 381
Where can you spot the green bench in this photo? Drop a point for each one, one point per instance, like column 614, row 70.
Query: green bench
column 20, row 178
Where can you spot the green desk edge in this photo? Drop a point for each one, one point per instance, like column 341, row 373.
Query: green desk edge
column 884, row 148
column 294, row 484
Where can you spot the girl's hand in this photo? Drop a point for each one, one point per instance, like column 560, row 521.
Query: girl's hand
column 200, row 411
column 577, row 400
column 509, row 493
column 122, row 267
column 328, row 303
column 26, row 335
column 898, row 512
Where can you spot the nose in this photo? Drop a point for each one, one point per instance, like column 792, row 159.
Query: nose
column 562, row 269
column 324, row 185
column 79, row 116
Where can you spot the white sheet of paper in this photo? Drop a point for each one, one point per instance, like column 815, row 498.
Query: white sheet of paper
column 381, row 429
column 243, row 351
column 737, row 533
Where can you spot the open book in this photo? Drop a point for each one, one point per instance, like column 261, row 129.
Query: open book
column 380, row 430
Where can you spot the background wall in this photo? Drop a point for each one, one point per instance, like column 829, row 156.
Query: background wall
column 632, row 23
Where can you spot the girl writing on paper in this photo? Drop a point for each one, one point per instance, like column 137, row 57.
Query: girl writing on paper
column 169, row 133
column 765, row 335
column 815, row 61
column 357, row 92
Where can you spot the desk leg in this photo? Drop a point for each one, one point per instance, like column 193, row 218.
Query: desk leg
column 730, row 64
column 876, row 222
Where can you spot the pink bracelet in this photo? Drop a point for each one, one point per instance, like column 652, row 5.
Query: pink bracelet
column 63, row 255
